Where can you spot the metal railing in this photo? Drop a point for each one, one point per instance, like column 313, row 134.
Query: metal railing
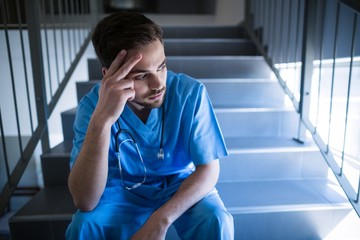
column 313, row 47
column 41, row 43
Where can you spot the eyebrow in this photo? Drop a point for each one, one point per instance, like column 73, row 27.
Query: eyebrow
column 144, row 70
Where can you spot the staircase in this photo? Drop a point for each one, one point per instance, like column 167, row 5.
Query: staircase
column 275, row 187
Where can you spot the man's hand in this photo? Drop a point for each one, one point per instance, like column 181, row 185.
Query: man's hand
column 192, row 190
column 115, row 89
column 153, row 229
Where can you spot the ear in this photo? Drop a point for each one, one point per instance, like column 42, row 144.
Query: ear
column 104, row 70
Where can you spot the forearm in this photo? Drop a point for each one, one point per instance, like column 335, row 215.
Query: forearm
column 192, row 190
column 88, row 176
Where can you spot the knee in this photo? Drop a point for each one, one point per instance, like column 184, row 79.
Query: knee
column 219, row 218
column 82, row 224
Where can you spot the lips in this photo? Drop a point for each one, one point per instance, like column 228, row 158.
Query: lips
column 157, row 96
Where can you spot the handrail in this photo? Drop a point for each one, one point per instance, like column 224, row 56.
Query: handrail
column 354, row 4
column 51, row 37
column 313, row 49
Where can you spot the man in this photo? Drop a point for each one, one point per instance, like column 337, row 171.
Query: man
column 128, row 190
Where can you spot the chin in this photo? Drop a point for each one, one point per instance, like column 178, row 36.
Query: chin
column 154, row 104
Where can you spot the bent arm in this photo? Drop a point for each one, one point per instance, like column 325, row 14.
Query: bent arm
column 87, row 179
column 88, row 176
column 191, row 191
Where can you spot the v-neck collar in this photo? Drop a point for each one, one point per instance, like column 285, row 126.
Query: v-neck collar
column 152, row 121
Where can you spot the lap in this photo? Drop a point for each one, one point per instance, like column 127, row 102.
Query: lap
column 120, row 213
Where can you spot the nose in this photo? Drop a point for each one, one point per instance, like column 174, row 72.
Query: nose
column 155, row 82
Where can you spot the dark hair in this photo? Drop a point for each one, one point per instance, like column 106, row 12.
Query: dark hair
column 123, row 30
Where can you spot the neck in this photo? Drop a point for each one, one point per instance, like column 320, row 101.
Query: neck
column 140, row 111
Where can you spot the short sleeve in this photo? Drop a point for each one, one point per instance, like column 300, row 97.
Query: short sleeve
column 206, row 140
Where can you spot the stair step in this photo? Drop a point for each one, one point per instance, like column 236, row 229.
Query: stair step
column 257, row 122
column 249, row 159
column 234, row 122
column 55, row 164
column 306, row 209
column 292, row 204
column 83, row 87
column 209, row 47
column 220, row 66
column 272, row 158
column 206, row 66
column 243, row 92
column 45, row 216
column 280, row 196
column 203, row 32
column 240, row 92
column 67, row 121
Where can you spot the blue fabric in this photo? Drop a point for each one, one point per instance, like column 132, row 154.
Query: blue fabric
column 122, row 212
column 191, row 137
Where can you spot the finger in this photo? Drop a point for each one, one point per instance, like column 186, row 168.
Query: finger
column 125, row 69
column 116, row 64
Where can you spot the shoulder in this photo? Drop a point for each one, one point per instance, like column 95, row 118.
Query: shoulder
column 183, row 84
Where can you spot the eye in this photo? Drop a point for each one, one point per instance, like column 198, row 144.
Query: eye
column 141, row 77
column 162, row 67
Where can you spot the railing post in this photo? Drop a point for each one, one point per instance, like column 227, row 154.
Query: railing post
column 34, row 31
column 307, row 59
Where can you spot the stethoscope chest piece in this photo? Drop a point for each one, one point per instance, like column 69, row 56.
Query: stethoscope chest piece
column 160, row 154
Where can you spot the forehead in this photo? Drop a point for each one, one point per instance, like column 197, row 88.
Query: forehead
column 152, row 56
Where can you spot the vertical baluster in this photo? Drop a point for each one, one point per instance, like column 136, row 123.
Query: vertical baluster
column 348, row 90
column 34, row 29
column 44, row 22
column 12, row 77
column 54, row 25
column 298, row 17
column 24, row 65
column 288, row 38
column 307, row 59
column 67, row 12
column 333, row 75
column 6, row 159
column 320, row 64
column 61, row 19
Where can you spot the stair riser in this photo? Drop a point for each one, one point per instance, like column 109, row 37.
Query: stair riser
column 203, row 32
column 67, row 121
column 236, row 93
column 255, row 123
column 218, row 47
column 82, row 88
column 295, row 225
column 206, row 67
column 272, row 166
column 245, row 94
column 233, row 124
column 39, row 229
column 220, row 67
column 235, row 167
column 55, row 170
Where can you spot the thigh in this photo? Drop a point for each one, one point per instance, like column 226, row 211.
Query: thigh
column 208, row 219
column 118, row 215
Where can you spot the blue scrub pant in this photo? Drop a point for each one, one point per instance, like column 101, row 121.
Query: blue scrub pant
column 120, row 213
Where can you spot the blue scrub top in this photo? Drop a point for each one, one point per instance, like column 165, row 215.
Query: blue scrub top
column 191, row 132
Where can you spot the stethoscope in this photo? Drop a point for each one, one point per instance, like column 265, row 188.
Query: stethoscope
column 160, row 154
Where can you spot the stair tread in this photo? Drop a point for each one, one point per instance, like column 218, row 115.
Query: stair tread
column 63, row 147
column 289, row 195
column 207, row 40
column 55, row 202
column 271, row 144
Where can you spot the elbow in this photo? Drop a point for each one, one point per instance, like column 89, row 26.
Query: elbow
column 84, row 206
